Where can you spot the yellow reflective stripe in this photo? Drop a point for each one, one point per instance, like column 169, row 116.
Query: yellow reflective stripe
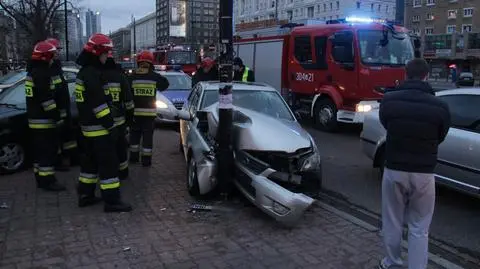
column 79, row 87
column 123, row 165
column 70, row 145
column 29, row 83
column 94, row 133
column 108, row 186
column 63, row 113
column 57, row 81
column 51, row 107
column 118, row 123
column 87, row 180
column 42, row 125
column 103, row 113
column 144, row 85
column 138, row 113
column 245, row 74
column 45, row 174
column 129, row 105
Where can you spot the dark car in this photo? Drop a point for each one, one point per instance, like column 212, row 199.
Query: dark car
column 15, row 151
column 466, row 79
column 128, row 67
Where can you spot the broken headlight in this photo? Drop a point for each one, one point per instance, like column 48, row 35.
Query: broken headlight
column 311, row 161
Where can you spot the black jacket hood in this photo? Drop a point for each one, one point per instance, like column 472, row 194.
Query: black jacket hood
column 416, row 85
column 88, row 59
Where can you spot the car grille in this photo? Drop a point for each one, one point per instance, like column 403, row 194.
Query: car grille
column 253, row 164
column 178, row 105
column 282, row 161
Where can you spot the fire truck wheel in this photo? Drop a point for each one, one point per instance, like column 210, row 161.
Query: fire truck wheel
column 326, row 115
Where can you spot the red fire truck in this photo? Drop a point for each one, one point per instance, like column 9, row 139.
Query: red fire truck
column 176, row 55
column 333, row 72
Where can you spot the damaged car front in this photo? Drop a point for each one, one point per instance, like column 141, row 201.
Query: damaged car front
column 277, row 164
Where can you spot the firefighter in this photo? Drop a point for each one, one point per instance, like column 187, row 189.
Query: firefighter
column 117, row 85
column 206, row 72
column 145, row 83
column 43, row 115
column 99, row 161
column 241, row 72
column 67, row 141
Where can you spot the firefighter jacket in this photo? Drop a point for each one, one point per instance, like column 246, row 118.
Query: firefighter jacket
column 93, row 105
column 145, row 83
column 246, row 75
column 62, row 96
column 42, row 110
column 118, row 88
column 200, row 75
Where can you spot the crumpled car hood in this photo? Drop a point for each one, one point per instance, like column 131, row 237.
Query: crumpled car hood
column 257, row 131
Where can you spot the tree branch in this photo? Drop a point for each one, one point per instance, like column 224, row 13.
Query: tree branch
column 15, row 17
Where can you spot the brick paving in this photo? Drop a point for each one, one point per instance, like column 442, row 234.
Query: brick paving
column 45, row 230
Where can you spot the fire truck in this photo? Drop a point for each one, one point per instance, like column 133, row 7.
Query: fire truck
column 333, row 72
column 171, row 55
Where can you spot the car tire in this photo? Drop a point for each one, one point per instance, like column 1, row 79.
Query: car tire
column 325, row 115
column 192, row 178
column 12, row 156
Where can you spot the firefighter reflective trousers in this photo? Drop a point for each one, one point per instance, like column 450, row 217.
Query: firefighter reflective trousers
column 122, row 148
column 45, row 148
column 142, row 129
column 67, row 141
column 99, row 164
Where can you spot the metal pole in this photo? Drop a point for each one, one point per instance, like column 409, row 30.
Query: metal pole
column 225, row 108
column 66, row 31
column 134, row 41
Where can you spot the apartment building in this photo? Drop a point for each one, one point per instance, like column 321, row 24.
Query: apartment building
column 450, row 30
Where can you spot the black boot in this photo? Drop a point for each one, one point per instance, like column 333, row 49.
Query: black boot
column 117, row 207
column 123, row 174
column 88, row 200
column 113, row 203
column 53, row 186
column 60, row 166
column 146, row 161
column 134, row 157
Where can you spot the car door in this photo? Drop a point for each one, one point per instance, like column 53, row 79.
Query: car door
column 459, row 155
column 191, row 106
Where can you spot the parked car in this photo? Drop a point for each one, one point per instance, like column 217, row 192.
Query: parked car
column 128, row 67
column 15, row 151
column 172, row 99
column 466, row 79
column 10, row 79
column 277, row 163
column 458, row 156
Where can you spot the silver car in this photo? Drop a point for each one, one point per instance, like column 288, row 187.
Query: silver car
column 277, row 164
column 458, row 164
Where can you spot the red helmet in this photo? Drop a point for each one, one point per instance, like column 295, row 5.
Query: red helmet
column 55, row 42
column 145, row 56
column 43, row 51
column 99, row 44
column 207, row 62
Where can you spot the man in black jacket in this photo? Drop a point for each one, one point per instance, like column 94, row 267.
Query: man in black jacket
column 43, row 115
column 118, row 87
column 241, row 72
column 99, row 161
column 206, row 72
column 416, row 122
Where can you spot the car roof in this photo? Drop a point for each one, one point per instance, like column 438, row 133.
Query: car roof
column 238, row 85
column 70, row 69
column 459, row 91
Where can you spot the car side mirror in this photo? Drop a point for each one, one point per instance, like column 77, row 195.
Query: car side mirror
column 184, row 115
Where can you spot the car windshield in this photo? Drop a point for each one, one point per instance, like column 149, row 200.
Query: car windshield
column 14, row 95
column 127, row 65
column 181, row 57
column 269, row 103
column 396, row 52
column 178, row 82
column 12, row 78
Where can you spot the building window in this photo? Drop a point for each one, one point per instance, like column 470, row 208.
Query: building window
column 474, row 41
column 451, row 29
column 468, row 12
column 430, row 17
column 331, row 6
column 452, row 14
column 430, row 2
column 371, row 7
column 417, row 3
column 429, row 30
column 416, row 18
column 310, row 12
column 466, row 28
column 290, row 15
column 416, row 31
column 338, row 5
column 358, row 5
column 386, row 9
column 324, row 7
column 303, row 49
column 379, row 7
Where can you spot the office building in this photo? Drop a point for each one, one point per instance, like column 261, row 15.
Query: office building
column 75, row 33
column 145, row 35
column 122, row 43
column 93, row 23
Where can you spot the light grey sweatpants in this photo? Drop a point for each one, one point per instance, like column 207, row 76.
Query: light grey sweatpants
column 410, row 196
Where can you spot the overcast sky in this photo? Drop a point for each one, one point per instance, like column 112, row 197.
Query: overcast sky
column 117, row 13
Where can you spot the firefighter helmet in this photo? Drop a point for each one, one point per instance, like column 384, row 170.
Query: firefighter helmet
column 99, row 44
column 145, row 56
column 43, row 51
column 207, row 62
column 55, row 42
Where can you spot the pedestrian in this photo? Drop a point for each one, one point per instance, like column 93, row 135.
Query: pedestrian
column 43, row 116
column 241, row 72
column 416, row 122
column 67, row 139
column 99, row 159
column 206, row 72
column 145, row 83
column 117, row 85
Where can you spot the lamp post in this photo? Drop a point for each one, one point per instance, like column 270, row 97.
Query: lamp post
column 66, row 30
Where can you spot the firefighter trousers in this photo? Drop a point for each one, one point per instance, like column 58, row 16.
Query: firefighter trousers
column 122, row 151
column 45, row 148
column 99, row 163
column 68, row 147
column 142, row 130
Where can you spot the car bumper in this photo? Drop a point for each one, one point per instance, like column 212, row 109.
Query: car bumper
column 347, row 116
column 166, row 116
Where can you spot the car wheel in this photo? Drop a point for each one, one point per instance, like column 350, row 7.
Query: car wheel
column 12, row 157
column 326, row 115
column 192, row 178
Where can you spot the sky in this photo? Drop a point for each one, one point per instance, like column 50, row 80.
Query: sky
column 117, row 13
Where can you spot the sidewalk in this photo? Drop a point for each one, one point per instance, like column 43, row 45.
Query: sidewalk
column 44, row 230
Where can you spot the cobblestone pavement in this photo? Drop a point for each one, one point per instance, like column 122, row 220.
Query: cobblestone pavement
column 44, row 230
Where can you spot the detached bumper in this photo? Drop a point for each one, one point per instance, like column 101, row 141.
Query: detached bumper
column 166, row 116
